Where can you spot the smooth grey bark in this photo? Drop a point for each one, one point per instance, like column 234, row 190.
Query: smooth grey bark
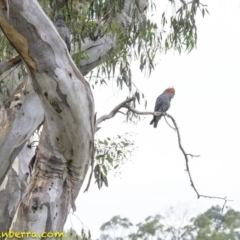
column 96, row 51
column 18, row 121
column 12, row 115
column 13, row 186
column 66, row 144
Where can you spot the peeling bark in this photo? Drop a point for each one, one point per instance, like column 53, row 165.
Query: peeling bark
column 61, row 93
column 19, row 118
column 66, row 144
column 13, row 187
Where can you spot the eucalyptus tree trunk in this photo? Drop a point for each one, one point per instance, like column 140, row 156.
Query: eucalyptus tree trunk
column 56, row 94
column 66, row 144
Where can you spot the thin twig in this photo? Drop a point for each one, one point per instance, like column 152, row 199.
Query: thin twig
column 191, row 155
column 184, row 4
column 168, row 123
column 224, row 204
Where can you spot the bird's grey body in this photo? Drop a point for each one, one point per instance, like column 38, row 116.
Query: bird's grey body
column 162, row 104
column 63, row 30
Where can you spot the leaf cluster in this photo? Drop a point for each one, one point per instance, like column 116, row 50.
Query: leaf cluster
column 71, row 234
column 211, row 225
column 182, row 25
column 141, row 39
column 110, row 155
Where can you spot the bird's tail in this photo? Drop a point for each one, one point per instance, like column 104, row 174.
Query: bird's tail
column 153, row 120
column 155, row 123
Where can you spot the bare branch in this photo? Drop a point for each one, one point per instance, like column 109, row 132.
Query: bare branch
column 143, row 113
column 184, row 153
column 191, row 155
column 114, row 111
column 168, row 123
column 187, row 164
column 224, row 204
column 125, row 104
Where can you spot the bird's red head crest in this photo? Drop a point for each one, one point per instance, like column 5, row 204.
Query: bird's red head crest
column 171, row 91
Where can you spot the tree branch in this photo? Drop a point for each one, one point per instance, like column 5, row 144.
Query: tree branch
column 187, row 165
column 124, row 104
column 97, row 50
column 65, row 150
column 114, row 111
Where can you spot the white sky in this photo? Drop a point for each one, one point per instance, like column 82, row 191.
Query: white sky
column 206, row 108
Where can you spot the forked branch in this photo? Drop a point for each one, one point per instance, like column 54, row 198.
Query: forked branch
column 113, row 112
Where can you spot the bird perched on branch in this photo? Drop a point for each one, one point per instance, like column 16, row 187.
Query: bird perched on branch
column 162, row 104
column 63, row 30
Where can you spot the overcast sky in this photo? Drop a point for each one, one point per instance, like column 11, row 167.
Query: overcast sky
column 206, row 108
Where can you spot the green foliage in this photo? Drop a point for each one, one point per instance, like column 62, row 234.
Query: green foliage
column 217, row 226
column 107, row 9
column 140, row 39
column 182, row 25
column 110, row 155
column 143, row 39
column 211, row 225
column 148, row 229
column 10, row 80
column 116, row 222
column 72, row 235
column 6, row 48
column 112, row 227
